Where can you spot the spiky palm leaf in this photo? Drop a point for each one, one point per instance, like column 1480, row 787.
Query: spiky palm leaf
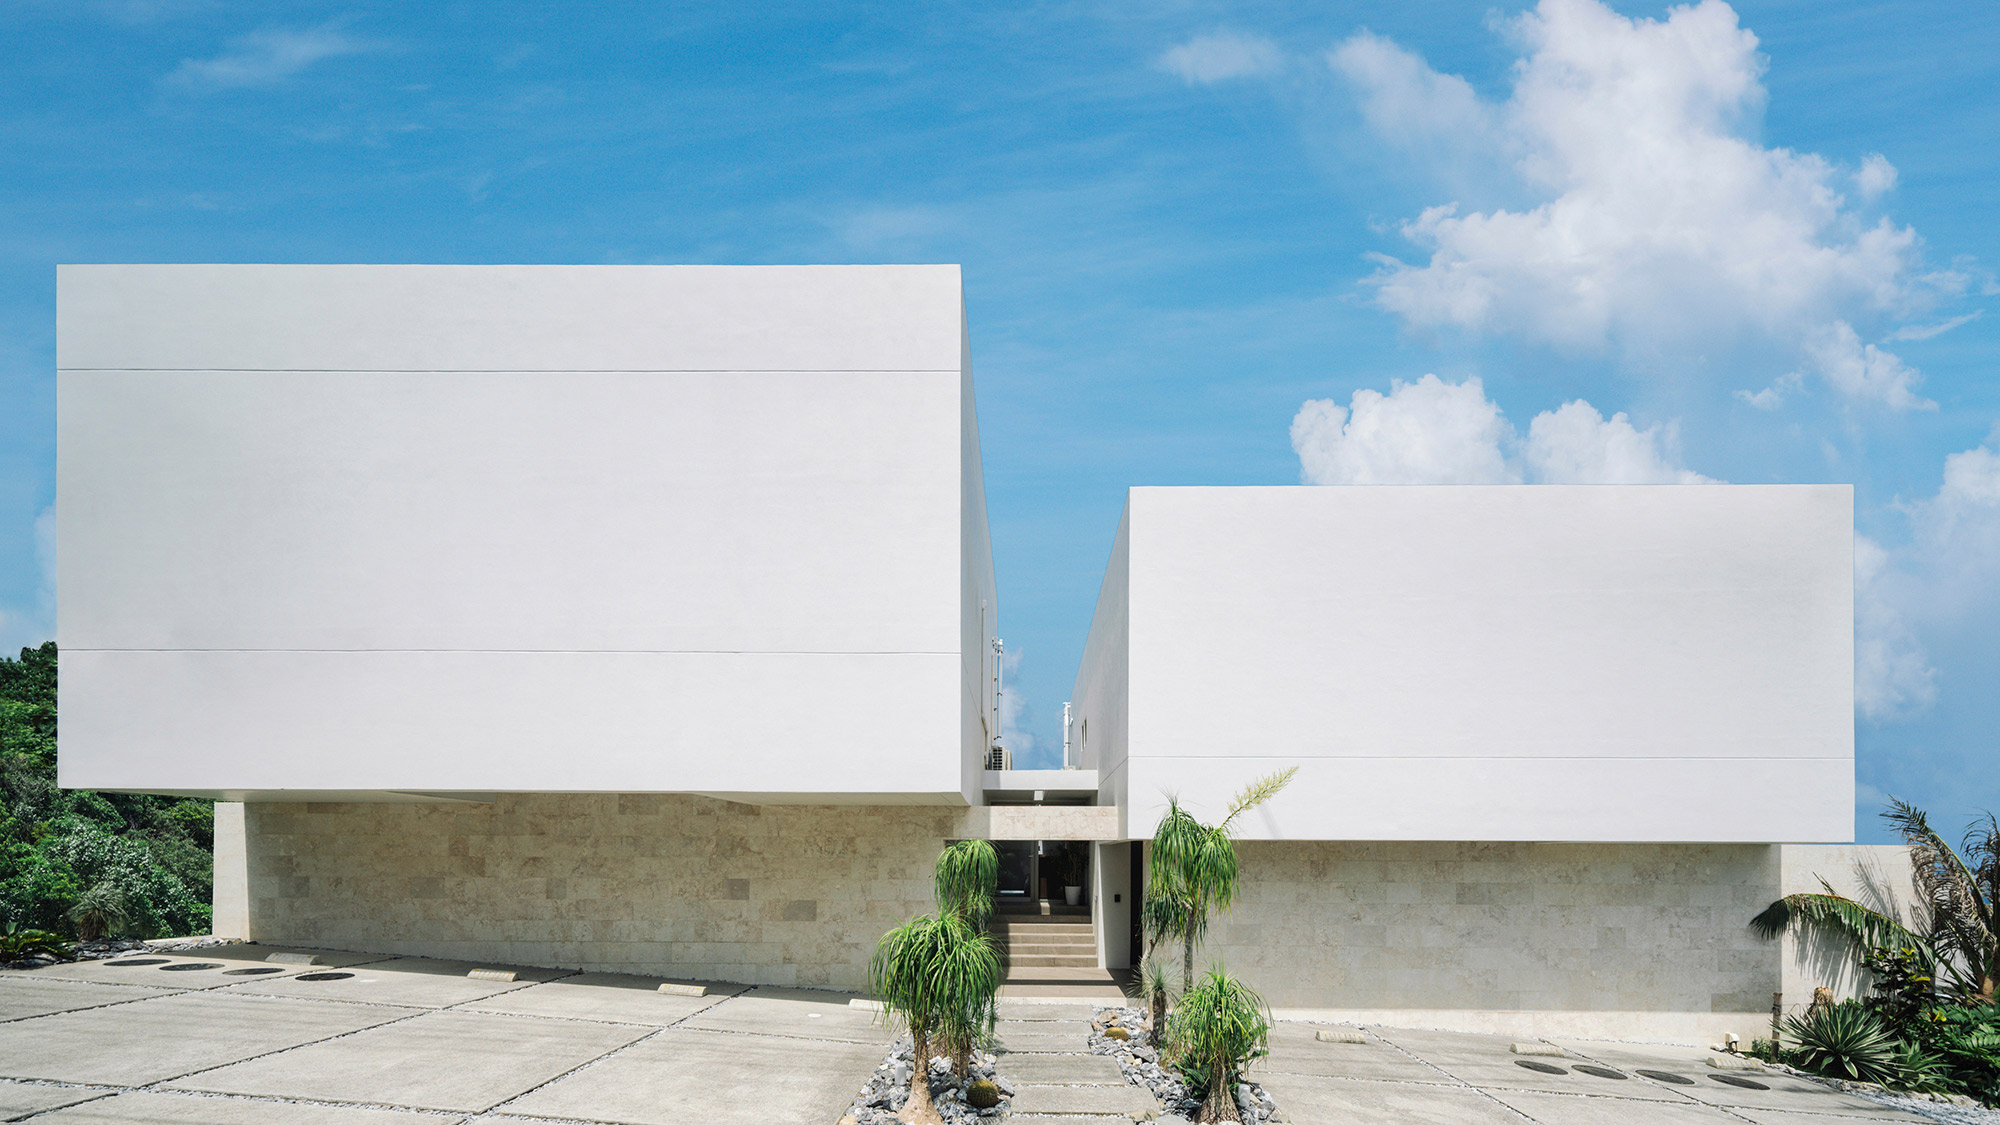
column 1195, row 869
column 966, row 878
column 1960, row 896
column 1870, row 929
column 1220, row 1026
column 939, row 976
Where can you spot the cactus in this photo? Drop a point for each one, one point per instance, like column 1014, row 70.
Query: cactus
column 982, row 1093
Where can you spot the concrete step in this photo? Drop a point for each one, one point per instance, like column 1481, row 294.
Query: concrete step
column 1047, row 947
column 1060, row 928
column 1053, row 961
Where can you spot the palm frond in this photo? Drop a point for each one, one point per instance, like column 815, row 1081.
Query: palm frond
column 1837, row 914
column 966, row 878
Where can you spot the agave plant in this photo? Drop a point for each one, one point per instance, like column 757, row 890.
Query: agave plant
column 965, row 879
column 1218, row 1028
column 938, row 975
column 1957, row 932
column 1848, row 1041
column 1194, row 870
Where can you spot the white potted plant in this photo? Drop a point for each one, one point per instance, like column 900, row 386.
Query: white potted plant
column 1073, row 869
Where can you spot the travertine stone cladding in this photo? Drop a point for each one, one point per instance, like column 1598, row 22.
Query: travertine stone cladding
column 1506, row 927
column 676, row 886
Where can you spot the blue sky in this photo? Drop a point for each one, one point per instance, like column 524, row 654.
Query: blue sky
column 1203, row 243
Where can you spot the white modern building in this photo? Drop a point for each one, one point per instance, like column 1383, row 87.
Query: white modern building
column 643, row 619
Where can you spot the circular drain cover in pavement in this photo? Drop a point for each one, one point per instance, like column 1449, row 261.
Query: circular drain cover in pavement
column 1732, row 1080
column 1543, row 1067
column 253, row 971
column 1600, row 1071
column 139, row 961
column 322, row 976
column 1663, row 1076
column 185, row 966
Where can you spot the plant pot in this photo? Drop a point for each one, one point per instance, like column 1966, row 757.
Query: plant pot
column 1073, row 894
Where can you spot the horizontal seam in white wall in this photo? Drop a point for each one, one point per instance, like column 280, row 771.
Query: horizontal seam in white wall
column 532, row 370
column 564, row 651
column 1492, row 757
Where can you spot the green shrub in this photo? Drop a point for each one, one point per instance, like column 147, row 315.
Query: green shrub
column 1967, row 1039
column 1847, row 1041
column 17, row 942
column 1219, row 1027
column 1905, row 983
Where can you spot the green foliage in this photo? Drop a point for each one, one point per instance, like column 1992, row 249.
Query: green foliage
column 1219, row 1027
column 77, row 861
column 939, row 976
column 1957, row 924
column 17, row 942
column 1194, row 870
column 1967, row 1040
column 1905, row 983
column 966, row 878
column 1845, row 1040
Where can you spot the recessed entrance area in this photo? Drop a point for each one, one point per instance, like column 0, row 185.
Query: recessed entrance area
column 1043, row 877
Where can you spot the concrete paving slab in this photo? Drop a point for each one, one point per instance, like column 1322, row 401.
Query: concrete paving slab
column 798, row 1012
column 168, row 1036
column 1026, row 1043
column 1123, row 1098
column 603, row 997
column 23, row 995
column 1295, row 1051
column 19, row 1099
column 408, row 982
column 1789, row 1117
column 456, row 1061
column 148, row 1108
column 1577, row 1109
column 681, row 1076
column 1488, row 1061
column 1339, row 1101
column 1062, row 1070
column 1036, row 1010
column 1787, row 1093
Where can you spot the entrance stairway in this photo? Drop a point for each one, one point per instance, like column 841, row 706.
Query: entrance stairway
column 1052, row 955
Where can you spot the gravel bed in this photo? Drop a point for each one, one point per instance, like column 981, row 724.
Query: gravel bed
column 1141, row 1065
column 889, row 1088
column 1952, row 1109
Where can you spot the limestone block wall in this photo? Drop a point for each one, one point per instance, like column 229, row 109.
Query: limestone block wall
column 1616, row 940
column 677, row 886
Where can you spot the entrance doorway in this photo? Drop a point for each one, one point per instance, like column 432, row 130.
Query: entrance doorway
column 1036, row 876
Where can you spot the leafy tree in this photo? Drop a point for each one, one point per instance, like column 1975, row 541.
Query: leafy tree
column 1956, row 931
column 1194, row 870
column 77, row 861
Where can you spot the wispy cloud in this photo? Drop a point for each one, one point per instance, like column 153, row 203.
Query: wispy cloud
column 266, row 57
column 1926, row 331
column 1208, row 59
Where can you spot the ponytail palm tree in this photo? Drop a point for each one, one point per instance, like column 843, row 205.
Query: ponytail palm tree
column 1220, row 1026
column 1194, row 870
column 1957, row 931
column 966, row 878
column 939, row 976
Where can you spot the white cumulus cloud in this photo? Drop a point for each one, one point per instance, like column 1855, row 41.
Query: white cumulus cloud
column 1434, row 432
column 1664, row 225
column 1218, row 57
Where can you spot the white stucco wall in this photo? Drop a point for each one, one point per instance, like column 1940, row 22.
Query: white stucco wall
column 343, row 528
column 1487, row 663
